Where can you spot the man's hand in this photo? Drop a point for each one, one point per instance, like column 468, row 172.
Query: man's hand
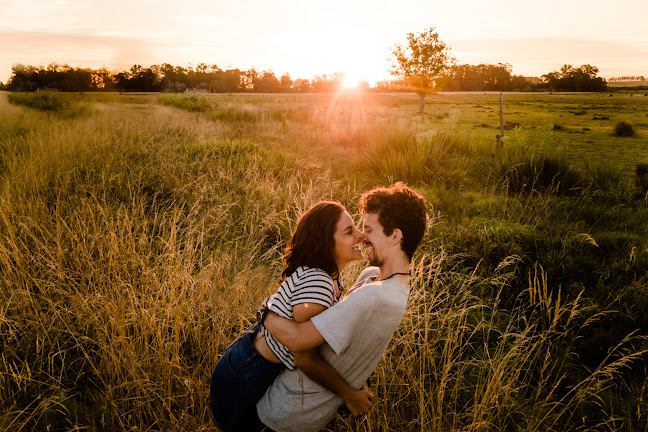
column 360, row 401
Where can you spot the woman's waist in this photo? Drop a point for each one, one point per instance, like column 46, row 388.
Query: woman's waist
column 260, row 344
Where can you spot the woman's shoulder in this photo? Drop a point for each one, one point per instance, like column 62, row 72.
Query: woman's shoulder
column 311, row 273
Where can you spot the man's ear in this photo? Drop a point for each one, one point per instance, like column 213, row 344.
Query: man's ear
column 396, row 236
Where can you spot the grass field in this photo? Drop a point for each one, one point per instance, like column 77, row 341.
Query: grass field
column 139, row 234
column 622, row 84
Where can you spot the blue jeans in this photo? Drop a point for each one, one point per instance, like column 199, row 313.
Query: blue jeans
column 240, row 379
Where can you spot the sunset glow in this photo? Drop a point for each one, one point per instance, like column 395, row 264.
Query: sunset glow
column 304, row 39
column 353, row 80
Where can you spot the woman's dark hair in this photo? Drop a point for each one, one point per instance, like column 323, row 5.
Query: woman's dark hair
column 312, row 242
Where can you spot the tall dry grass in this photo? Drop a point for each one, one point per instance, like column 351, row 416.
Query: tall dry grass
column 461, row 363
column 137, row 242
column 132, row 247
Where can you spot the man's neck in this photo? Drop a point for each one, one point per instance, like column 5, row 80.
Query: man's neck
column 397, row 263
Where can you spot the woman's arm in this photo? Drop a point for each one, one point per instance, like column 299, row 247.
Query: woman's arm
column 296, row 336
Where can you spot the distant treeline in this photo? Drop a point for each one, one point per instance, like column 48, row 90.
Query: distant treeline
column 164, row 78
column 627, row 78
column 582, row 79
column 212, row 79
column 497, row 77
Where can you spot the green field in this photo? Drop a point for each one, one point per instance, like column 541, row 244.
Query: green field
column 140, row 232
column 621, row 84
column 579, row 126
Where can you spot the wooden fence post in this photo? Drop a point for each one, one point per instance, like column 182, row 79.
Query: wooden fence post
column 500, row 142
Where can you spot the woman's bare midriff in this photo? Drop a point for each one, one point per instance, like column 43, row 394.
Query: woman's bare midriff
column 262, row 347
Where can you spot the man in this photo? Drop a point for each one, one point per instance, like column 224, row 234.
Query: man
column 353, row 334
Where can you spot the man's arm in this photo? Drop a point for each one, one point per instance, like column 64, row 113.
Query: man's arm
column 316, row 368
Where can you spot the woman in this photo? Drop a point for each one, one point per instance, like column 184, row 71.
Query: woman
column 323, row 243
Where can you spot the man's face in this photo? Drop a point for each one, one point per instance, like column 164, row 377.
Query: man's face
column 374, row 239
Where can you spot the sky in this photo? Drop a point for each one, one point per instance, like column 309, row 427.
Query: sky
column 306, row 38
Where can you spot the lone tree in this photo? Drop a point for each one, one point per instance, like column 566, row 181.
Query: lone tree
column 421, row 62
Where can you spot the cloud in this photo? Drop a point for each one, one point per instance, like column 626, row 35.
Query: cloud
column 198, row 20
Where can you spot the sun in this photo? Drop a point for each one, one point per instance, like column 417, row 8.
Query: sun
column 351, row 80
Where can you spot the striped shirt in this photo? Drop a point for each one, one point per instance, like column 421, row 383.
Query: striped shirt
column 304, row 285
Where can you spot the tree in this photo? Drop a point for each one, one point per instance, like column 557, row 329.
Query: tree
column 302, row 85
column 23, row 78
column 421, row 62
column 265, row 82
column 582, row 79
column 103, row 79
column 520, row 83
column 327, row 83
column 139, row 79
column 286, row 82
column 476, row 78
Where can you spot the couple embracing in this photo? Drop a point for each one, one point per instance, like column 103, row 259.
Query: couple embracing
column 312, row 349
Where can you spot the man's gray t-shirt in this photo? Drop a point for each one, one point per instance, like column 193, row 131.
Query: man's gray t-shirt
column 357, row 331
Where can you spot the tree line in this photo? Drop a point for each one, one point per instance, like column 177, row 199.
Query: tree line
column 627, row 78
column 582, row 79
column 424, row 64
column 212, row 79
column 164, row 78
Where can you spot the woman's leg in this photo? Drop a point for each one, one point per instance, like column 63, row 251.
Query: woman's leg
column 240, row 379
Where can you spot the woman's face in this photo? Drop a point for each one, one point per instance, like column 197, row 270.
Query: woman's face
column 347, row 241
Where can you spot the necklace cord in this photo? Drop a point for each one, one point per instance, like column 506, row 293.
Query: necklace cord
column 394, row 274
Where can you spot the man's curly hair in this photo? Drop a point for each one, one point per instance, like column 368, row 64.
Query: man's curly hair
column 400, row 207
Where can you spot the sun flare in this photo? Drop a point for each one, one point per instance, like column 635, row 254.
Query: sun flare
column 352, row 80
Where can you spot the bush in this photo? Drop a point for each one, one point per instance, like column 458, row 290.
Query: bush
column 624, row 129
column 430, row 157
column 189, row 103
column 528, row 172
column 641, row 178
column 40, row 101
column 606, row 177
column 64, row 105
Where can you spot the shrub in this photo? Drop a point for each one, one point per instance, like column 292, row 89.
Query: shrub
column 430, row 157
column 641, row 177
column 189, row 103
column 528, row 172
column 40, row 101
column 606, row 177
column 624, row 129
column 64, row 105
column 510, row 125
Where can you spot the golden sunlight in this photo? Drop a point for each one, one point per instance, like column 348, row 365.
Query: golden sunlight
column 352, row 80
